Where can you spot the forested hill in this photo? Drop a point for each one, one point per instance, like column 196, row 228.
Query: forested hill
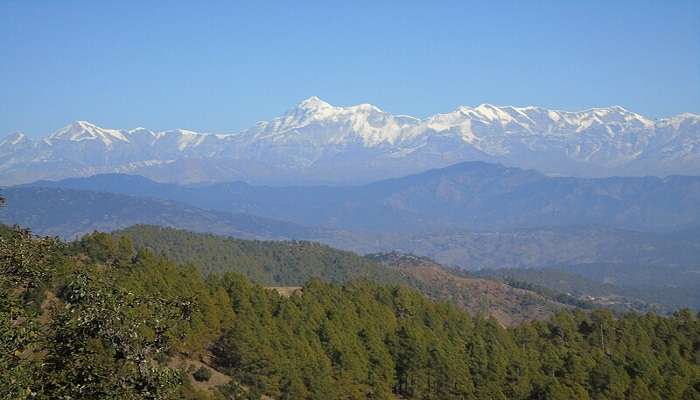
column 71, row 213
column 271, row 263
column 276, row 263
column 98, row 319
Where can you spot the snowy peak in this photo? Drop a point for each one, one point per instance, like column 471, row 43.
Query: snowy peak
column 487, row 119
column 316, row 123
column 616, row 115
column 365, row 119
column 82, row 130
column 489, row 113
column 13, row 139
column 321, row 142
column 313, row 103
column 685, row 119
column 309, row 110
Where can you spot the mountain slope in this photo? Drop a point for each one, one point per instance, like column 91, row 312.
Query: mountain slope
column 472, row 195
column 319, row 142
column 294, row 263
column 120, row 320
column 425, row 229
column 270, row 263
column 637, row 287
column 541, row 247
column 72, row 213
column 510, row 306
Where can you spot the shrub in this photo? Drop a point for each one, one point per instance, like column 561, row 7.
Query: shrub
column 203, row 374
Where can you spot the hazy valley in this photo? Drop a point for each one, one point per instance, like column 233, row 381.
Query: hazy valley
column 470, row 216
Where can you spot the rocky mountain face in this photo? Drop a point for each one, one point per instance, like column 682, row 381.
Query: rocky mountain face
column 316, row 142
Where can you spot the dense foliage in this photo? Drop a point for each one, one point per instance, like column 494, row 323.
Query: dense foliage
column 293, row 263
column 92, row 339
column 113, row 315
column 272, row 263
column 367, row 341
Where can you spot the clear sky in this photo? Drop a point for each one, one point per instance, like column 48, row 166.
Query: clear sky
column 222, row 66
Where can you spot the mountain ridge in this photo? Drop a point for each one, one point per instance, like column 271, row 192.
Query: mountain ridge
column 406, row 216
column 317, row 142
column 468, row 195
column 83, row 212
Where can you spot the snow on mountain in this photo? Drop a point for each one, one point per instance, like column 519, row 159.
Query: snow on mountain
column 318, row 142
column 323, row 124
column 13, row 140
column 83, row 130
column 13, row 143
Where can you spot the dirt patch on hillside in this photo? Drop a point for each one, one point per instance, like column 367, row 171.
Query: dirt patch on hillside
column 287, row 291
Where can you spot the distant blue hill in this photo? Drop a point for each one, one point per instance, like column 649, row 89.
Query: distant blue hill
column 470, row 195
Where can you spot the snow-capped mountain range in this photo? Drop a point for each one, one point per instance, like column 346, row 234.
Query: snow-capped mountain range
column 317, row 142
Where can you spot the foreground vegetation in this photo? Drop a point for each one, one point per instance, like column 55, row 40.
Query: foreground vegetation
column 102, row 319
column 293, row 263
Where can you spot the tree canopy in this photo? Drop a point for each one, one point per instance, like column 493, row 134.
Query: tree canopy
column 103, row 318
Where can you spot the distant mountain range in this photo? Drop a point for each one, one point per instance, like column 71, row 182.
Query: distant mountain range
column 72, row 213
column 639, row 287
column 465, row 196
column 543, row 247
column 316, row 142
column 472, row 215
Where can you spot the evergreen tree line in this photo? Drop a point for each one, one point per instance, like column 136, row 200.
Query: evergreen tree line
column 293, row 263
column 101, row 318
column 270, row 263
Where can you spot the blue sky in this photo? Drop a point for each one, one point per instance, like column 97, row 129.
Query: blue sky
column 222, row 66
